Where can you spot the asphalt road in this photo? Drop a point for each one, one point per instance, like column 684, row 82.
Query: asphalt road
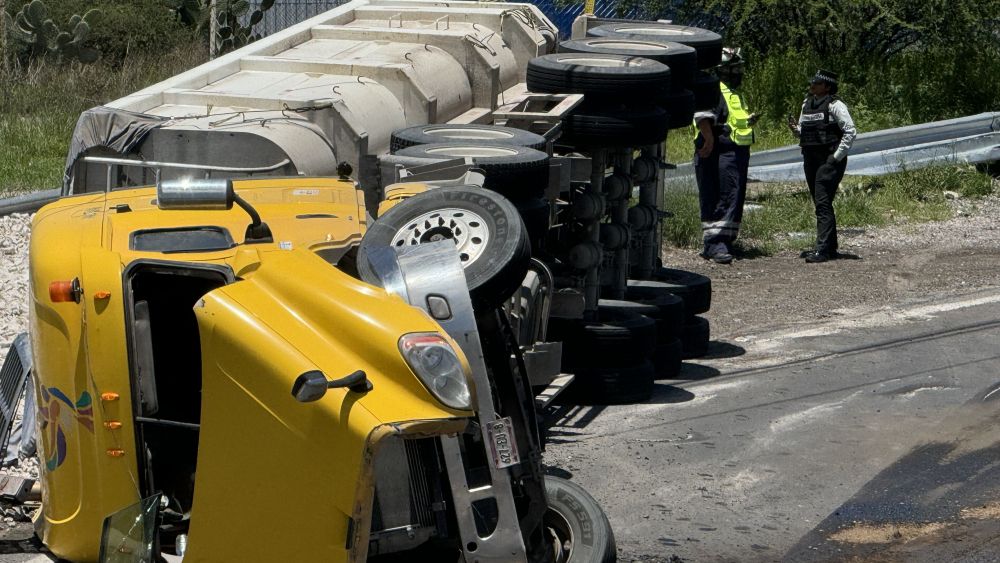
column 867, row 439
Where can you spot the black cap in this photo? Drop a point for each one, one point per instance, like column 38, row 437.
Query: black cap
column 827, row 76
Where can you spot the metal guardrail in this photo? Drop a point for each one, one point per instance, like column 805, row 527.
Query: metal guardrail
column 32, row 202
column 971, row 139
column 28, row 203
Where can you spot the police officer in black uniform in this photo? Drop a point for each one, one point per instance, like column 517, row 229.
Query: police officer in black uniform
column 826, row 133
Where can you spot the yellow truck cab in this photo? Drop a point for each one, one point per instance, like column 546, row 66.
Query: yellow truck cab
column 166, row 347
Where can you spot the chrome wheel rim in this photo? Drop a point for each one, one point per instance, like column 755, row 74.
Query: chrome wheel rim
column 465, row 228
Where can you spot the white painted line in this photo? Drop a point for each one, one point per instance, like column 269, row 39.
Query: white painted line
column 862, row 318
column 804, row 417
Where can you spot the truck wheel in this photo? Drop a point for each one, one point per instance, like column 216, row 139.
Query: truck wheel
column 612, row 78
column 667, row 359
column 463, row 133
column 670, row 313
column 707, row 43
column 663, row 333
column 619, row 338
column 706, row 91
column 694, row 289
column 517, row 173
column 694, row 340
column 619, row 126
column 535, row 214
column 488, row 232
column 617, row 385
column 680, row 109
column 682, row 59
column 579, row 528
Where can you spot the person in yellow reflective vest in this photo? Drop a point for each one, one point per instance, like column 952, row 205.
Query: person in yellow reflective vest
column 721, row 160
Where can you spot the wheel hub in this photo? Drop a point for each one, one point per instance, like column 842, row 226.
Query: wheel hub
column 465, row 228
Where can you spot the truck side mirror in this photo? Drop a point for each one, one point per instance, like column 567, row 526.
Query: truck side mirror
column 210, row 194
column 312, row 385
column 191, row 193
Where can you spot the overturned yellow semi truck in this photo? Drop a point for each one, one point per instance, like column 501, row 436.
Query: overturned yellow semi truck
column 301, row 303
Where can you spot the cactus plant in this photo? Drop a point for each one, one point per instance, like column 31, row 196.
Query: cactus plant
column 33, row 27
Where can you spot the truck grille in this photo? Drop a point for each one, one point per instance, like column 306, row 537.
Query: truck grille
column 13, row 375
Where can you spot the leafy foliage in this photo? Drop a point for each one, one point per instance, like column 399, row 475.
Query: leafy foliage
column 860, row 30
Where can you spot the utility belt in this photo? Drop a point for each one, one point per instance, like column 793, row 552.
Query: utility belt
column 722, row 144
column 820, row 150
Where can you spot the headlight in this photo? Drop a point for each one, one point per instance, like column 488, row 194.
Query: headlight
column 437, row 365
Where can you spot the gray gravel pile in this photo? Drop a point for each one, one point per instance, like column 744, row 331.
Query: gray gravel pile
column 15, row 232
column 975, row 223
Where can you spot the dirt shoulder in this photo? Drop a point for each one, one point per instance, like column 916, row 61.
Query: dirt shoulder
column 894, row 264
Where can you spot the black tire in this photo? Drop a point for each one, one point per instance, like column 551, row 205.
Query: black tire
column 680, row 109
column 577, row 518
column 612, row 78
column 694, row 341
column 613, row 385
column 667, row 359
column 619, row 338
column 694, row 289
column 535, row 214
column 464, row 133
column 670, row 313
column 615, row 127
column 706, row 91
column 493, row 271
column 682, row 59
column 663, row 332
column 518, row 173
column 707, row 43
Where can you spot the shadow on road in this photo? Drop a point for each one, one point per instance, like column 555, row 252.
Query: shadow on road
column 696, row 372
column 664, row 394
column 936, row 483
column 721, row 350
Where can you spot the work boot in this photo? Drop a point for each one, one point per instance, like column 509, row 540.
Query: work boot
column 817, row 257
column 722, row 258
column 806, row 253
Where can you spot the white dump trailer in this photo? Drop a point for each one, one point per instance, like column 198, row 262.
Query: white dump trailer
column 330, row 89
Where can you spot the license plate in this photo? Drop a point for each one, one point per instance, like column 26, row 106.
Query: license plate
column 500, row 437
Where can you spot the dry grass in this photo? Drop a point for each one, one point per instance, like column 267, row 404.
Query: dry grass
column 39, row 109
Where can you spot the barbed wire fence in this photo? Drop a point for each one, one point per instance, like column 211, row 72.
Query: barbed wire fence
column 284, row 13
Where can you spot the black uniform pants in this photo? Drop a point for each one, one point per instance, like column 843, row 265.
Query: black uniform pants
column 722, row 189
column 823, row 180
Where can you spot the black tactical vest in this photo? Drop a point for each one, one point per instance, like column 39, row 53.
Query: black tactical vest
column 818, row 127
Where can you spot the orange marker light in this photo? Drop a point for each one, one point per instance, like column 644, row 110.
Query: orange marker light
column 109, row 396
column 65, row 291
column 102, row 295
column 112, row 425
column 116, row 452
